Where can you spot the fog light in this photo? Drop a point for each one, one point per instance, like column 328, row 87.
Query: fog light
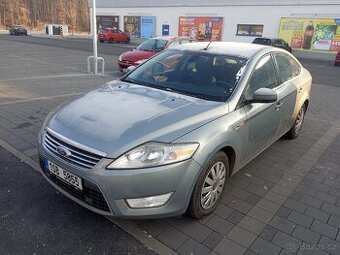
column 147, row 202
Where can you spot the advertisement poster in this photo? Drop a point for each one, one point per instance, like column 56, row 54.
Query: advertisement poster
column 107, row 22
column 132, row 25
column 148, row 26
column 321, row 34
column 201, row 28
column 140, row 26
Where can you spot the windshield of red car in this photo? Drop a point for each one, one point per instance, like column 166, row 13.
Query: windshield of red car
column 153, row 45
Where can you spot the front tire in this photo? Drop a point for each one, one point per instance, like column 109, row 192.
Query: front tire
column 296, row 128
column 209, row 187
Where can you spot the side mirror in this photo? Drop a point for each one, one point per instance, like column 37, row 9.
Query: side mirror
column 264, row 95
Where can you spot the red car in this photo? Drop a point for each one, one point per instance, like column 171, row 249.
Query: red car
column 337, row 59
column 112, row 35
column 148, row 49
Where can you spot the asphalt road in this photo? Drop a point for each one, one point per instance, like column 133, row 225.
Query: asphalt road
column 36, row 219
column 322, row 71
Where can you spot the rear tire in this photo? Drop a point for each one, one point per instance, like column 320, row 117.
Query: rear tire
column 209, row 188
column 296, row 128
column 336, row 63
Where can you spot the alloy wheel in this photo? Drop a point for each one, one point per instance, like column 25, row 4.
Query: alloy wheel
column 213, row 185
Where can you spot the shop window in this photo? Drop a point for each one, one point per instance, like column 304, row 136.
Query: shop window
column 249, row 30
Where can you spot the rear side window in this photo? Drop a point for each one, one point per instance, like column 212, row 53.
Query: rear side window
column 288, row 67
column 262, row 41
column 263, row 75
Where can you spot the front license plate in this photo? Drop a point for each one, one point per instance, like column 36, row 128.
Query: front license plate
column 68, row 177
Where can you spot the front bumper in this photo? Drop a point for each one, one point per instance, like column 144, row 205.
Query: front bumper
column 105, row 191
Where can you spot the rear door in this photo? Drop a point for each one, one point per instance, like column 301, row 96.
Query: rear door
column 288, row 89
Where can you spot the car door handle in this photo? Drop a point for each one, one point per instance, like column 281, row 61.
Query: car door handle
column 278, row 106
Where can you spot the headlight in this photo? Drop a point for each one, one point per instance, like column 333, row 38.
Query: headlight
column 154, row 154
column 140, row 61
column 120, row 58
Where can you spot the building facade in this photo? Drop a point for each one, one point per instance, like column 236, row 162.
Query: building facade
column 228, row 20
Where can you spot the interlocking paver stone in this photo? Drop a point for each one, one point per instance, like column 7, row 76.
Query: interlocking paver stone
column 220, row 225
column 268, row 233
column 317, row 214
column 251, row 225
column 253, row 199
column 263, row 247
column 240, row 205
column 300, row 219
column 197, row 231
column 327, row 207
column 282, row 224
column 334, row 220
column 329, row 245
column 241, row 236
column 311, row 201
column 172, row 237
column 268, row 205
column 306, row 235
column 236, row 217
column 326, row 197
column 295, row 205
column 223, row 211
column 287, row 242
column 228, row 247
column 324, row 229
column 191, row 247
column 283, row 212
column 275, row 197
column 260, row 214
column 213, row 240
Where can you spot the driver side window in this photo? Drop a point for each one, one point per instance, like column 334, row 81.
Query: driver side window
column 264, row 75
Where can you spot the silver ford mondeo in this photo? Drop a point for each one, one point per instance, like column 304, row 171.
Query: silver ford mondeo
column 163, row 139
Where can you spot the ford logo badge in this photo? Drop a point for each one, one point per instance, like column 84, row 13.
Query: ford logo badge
column 63, row 151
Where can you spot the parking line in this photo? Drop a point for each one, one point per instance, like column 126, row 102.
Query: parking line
column 46, row 77
column 41, row 98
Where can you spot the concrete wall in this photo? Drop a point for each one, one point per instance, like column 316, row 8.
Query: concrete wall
column 269, row 16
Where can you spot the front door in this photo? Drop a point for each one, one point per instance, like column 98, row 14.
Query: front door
column 263, row 119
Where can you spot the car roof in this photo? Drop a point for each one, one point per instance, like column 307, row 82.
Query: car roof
column 246, row 50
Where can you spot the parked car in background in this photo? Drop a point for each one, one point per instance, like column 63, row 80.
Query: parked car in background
column 164, row 139
column 112, row 35
column 148, row 49
column 18, row 30
column 275, row 42
column 337, row 59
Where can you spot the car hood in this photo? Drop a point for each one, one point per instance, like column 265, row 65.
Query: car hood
column 136, row 55
column 117, row 119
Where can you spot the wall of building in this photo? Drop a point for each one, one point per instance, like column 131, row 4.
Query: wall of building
column 268, row 16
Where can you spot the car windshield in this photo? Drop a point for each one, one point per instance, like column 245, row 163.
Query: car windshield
column 209, row 76
column 153, row 45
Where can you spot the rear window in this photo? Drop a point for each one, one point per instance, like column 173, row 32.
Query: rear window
column 262, row 41
column 153, row 45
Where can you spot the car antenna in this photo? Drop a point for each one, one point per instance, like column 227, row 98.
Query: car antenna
column 206, row 48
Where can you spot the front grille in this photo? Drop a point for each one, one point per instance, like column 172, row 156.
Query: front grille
column 90, row 194
column 78, row 157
